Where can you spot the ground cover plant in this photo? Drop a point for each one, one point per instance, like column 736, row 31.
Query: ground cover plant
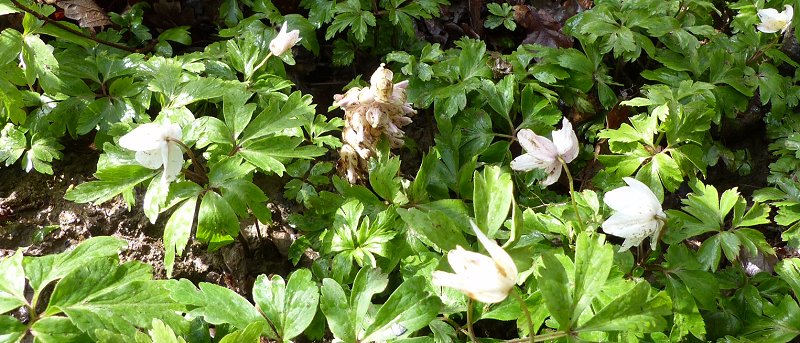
column 392, row 170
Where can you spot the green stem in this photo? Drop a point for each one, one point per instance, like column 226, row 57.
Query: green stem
column 571, row 196
column 524, row 307
column 259, row 65
column 470, row 330
column 761, row 52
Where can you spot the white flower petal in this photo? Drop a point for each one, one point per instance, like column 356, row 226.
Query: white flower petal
column 284, row 40
column 638, row 214
column 477, row 287
column 537, row 145
column 565, row 141
column 502, row 259
column 646, row 194
column 150, row 158
column 145, row 137
column 529, row 162
column 173, row 163
column 773, row 21
column 632, row 199
column 465, row 262
column 553, row 174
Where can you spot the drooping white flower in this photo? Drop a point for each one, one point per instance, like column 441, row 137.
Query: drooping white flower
column 480, row 277
column 773, row 21
column 284, row 40
column 155, row 147
column 637, row 215
column 542, row 153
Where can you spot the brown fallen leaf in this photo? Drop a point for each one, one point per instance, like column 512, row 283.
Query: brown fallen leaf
column 86, row 12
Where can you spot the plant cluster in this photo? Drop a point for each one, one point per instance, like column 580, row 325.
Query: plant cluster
column 487, row 239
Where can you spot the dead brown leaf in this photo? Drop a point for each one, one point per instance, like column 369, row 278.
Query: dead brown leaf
column 86, row 12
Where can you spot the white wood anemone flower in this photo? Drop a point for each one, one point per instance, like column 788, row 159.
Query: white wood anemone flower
column 480, row 277
column 156, row 147
column 284, row 41
column 542, row 153
column 638, row 214
column 773, row 21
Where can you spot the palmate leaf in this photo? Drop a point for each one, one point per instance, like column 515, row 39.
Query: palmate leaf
column 269, row 153
column 12, row 144
column 217, row 305
column 40, row 271
column 289, row 306
column 350, row 14
column 103, row 294
column 407, row 310
column 43, row 150
column 593, row 260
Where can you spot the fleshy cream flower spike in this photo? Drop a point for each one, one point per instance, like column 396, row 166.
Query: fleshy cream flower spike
column 284, row 41
column 542, row 153
column 480, row 277
column 371, row 114
column 155, row 146
column 637, row 215
column 773, row 21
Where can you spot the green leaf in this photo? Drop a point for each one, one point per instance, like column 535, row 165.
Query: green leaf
column 492, row 197
column 553, row 281
column 290, row 307
column 633, row 311
column 384, row 180
column 57, row 330
column 12, row 283
column 177, row 232
column 162, row 333
column 405, row 312
column 251, row 333
column 334, row 305
column 10, row 44
column 434, row 227
column 12, row 144
column 268, row 154
column 216, row 223
column 43, row 270
column 103, row 294
column 40, row 64
column 11, row 330
column 780, row 324
column 789, row 270
column 593, row 261
column 216, row 304
column 349, row 14
column 113, row 181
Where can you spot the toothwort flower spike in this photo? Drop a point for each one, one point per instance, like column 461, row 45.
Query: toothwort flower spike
column 155, row 146
column 772, row 21
column 284, row 40
column 542, row 153
column 483, row 278
column 637, row 215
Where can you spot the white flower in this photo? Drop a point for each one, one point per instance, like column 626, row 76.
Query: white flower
column 772, row 21
column 155, row 147
column 638, row 214
column 541, row 153
column 480, row 277
column 284, row 41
